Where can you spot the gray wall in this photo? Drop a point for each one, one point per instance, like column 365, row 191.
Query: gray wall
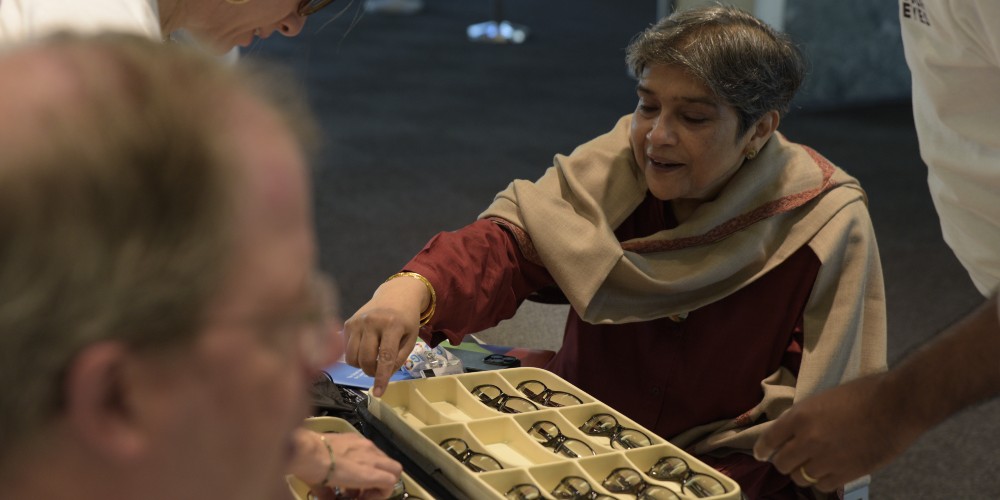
column 853, row 48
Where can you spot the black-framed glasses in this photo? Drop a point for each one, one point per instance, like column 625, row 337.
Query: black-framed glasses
column 310, row 7
column 675, row 469
column 502, row 360
column 492, row 396
column 539, row 393
column 311, row 330
column 629, row 481
column 473, row 460
column 577, row 488
column 548, row 435
column 622, row 438
column 524, row 491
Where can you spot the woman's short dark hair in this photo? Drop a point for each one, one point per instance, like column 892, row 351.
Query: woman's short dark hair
column 738, row 57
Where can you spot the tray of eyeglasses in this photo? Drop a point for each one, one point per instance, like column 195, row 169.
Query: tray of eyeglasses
column 406, row 488
column 525, row 433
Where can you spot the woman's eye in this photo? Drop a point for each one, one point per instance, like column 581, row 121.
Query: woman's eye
column 694, row 119
column 646, row 109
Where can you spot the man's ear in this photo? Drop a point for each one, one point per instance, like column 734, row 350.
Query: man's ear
column 100, row 401
column 761, row 131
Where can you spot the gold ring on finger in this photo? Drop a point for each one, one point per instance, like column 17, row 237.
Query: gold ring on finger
column 805, row 475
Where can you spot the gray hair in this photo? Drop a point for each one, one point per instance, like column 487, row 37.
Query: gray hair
column 742, row 60
column 116, row 214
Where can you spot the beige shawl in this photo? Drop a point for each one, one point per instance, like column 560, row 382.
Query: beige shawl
column 787, row 197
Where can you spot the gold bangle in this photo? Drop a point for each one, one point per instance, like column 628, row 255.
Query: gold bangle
column 425, row 317
column 329, row 472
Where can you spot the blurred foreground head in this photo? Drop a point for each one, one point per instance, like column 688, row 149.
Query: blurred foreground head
column 157, row 284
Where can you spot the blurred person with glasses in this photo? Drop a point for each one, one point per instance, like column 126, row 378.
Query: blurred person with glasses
column 718, row 271
column 160, row 314
column 219, row 25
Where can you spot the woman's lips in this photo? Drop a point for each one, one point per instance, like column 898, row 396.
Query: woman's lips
column 664, row 165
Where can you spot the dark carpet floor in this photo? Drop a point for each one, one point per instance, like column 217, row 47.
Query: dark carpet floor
column 422, row 128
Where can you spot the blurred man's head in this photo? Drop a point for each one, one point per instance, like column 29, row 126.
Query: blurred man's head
column 158, row 300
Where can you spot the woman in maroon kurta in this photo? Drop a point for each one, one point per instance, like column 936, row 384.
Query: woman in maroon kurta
column 717, row 271
column 667, row 374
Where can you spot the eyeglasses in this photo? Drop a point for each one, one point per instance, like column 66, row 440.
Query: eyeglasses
column 502, row 360
column 675, row 469
column 310, row 7
column 539, row 393
column 317, row 326
column 548, row 435
column 524, row 491
column 314, row 327
column 629, row 481
column 622, row 438
column 312, row 330
column 475, row 461
column 577, row 488
column 492, row 396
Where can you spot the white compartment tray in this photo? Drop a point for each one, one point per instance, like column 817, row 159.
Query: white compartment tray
column 425, row 412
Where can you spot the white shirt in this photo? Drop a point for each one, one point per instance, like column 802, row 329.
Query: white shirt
column 30, row 19
column 953, row 50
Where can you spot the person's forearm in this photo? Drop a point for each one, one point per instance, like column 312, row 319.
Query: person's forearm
column 481, row 277
column 311, row 460
column 956, row 370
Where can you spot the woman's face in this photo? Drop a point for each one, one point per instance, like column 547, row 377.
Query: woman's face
column 223, row 25
column 684, row 137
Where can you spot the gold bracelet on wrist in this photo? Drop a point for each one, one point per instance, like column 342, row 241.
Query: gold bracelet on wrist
column 425, row 317
column 329, row 471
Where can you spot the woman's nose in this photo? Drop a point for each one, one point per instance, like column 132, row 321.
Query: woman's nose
column 661, row 133
column 292, row 24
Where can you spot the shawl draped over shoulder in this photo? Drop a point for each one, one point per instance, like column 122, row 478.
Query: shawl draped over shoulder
column 786, row 197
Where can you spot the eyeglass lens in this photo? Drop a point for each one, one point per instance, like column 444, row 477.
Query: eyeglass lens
column 548, row 434
column 475, row 461
column 675, row 469
column 319, row 324
column 492, row 396
column 604, row 424
column 577, row 488
column 539, row 393
column 524, row 491
column 629, row 481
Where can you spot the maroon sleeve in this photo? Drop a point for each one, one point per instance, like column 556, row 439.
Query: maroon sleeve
column 480, row 277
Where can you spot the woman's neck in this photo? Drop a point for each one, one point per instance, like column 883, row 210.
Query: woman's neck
column 683, row 208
